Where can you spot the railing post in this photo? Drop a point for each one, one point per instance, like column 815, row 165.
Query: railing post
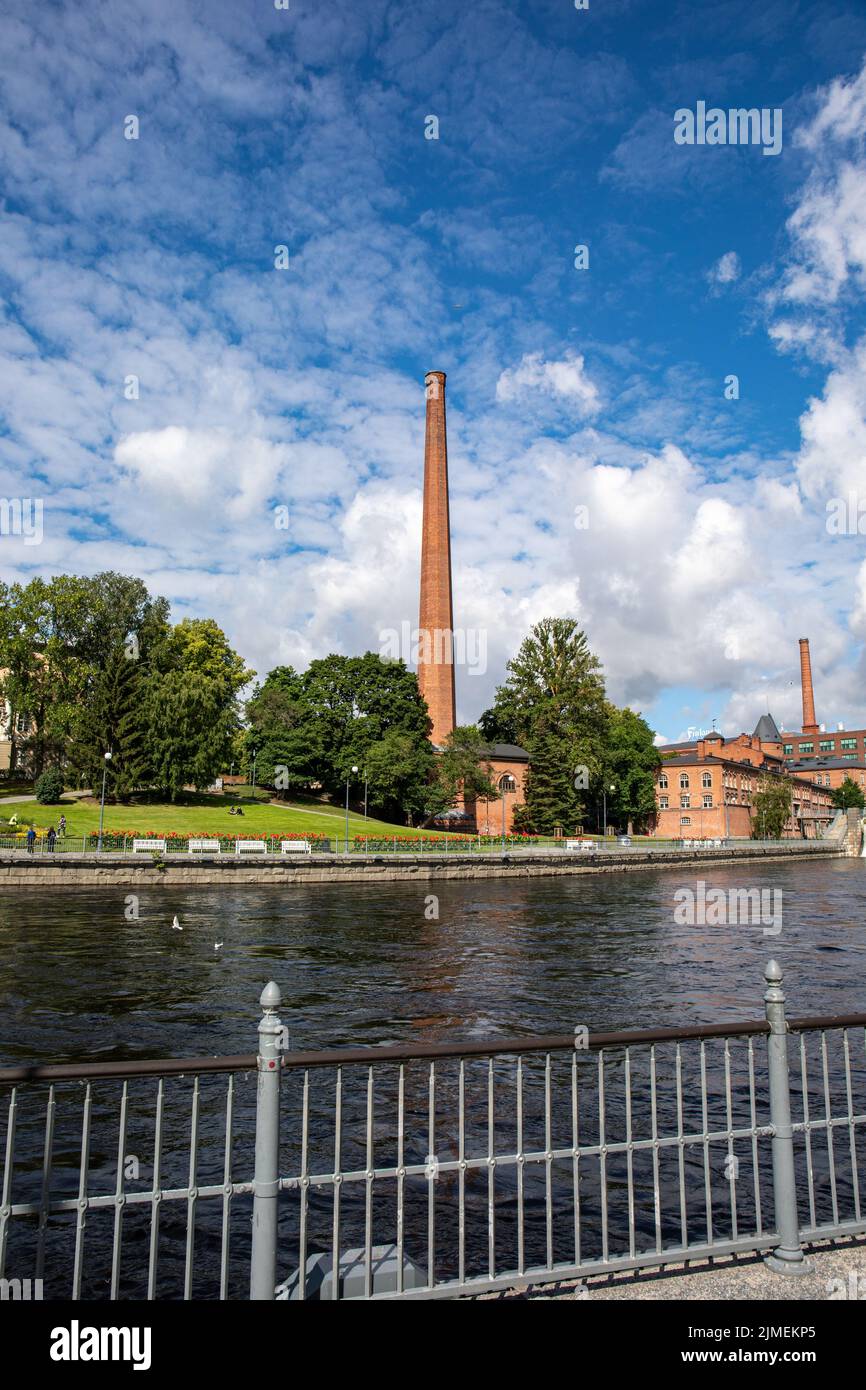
column 787, row 1258
column 266, row 1186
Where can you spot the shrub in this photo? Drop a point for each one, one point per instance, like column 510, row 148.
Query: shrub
column 49, row 786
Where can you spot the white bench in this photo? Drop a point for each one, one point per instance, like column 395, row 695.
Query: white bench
column 295, row 847
column 204, row 847
column 687, row 844
column 251, row 847
column 580, row 844
column 148, row 846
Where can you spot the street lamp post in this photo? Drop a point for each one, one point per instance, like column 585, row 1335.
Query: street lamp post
column 255, row 754
column 102, row 802
column 605, row 790
column 354, row 769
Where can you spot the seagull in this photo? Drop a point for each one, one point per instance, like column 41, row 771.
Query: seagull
column 176, row 925
column 217, row 945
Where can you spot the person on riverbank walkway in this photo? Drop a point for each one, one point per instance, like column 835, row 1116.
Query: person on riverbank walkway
column 31, row 840
column 50, row 838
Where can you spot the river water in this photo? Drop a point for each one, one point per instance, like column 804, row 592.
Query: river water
column 100, row 975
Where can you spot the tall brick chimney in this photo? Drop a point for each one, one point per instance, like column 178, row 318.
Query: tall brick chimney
column 436, row 620
column 809, row 724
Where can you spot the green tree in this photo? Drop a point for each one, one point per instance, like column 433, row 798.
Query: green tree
column 848, row 794
column 550, row 795
column 553, row 703
column 192, row 711
column 400, row 771
column 56, row 639
column 345, row 711
column 771, row 809
column 284, row 731
column 114, row 721
column 631, row 765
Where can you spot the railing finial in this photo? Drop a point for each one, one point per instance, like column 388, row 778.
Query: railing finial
column 270, row 997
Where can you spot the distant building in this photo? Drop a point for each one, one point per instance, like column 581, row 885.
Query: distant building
column 708, row 791
column 705, row 787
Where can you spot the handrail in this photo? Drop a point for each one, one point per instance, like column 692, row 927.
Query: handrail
column 405, row 1052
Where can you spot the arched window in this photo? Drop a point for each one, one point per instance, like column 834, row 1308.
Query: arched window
column 706, row 779
column 663, row 781
column 507, row 783
column 684, row 781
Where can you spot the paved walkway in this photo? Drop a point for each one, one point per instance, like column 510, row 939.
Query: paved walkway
column 838, row 1268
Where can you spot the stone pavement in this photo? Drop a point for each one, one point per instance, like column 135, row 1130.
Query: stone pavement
column 838, row 1273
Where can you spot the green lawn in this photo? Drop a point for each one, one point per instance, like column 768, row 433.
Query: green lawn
column 204, row 814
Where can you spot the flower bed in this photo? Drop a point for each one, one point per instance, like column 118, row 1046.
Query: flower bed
column 445, row 844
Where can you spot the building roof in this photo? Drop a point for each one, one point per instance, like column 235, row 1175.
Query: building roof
column 825, row 764
column 507, row 752
column 767, row 730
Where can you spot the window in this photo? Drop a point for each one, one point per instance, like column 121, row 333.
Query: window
column 663, row 781
column 507, row 783
column 663, row 803
column 684, row 781
column 685, row 820
column 848, row 743
column 827, row 745
column 22, row 724
column 787, row 748
column 810, row 747
column 706, row 779
column 708, row 800
column 685, row 802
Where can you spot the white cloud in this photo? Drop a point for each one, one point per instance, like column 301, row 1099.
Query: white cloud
column 565, row 379
column 726, row 269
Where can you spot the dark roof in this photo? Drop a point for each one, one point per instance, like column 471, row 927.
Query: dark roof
column 766, row 730
column 826, row 764
column 508, row 752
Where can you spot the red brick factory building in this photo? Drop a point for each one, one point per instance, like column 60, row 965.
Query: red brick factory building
column 705, row 787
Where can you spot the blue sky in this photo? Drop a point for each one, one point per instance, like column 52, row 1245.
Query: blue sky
column 706, row 553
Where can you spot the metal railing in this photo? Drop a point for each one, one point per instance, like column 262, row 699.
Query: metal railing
column 390, row 846
column 433, row 1171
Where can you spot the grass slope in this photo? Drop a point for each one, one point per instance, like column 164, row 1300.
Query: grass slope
column 205, row 814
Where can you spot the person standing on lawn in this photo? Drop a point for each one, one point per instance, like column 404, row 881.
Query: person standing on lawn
column 61, row 827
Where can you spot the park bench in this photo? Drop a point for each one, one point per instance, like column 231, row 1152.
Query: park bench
column 148, row 846
column 251, row 847
column 687, row 844
column 204, row 847
column 580, row 844
column 295, row 847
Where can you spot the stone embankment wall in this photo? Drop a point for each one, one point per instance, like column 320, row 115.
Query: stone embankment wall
column 853, row 832
column 116, row 871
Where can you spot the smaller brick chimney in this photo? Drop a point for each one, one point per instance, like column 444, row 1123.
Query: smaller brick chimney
column 809, row 724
